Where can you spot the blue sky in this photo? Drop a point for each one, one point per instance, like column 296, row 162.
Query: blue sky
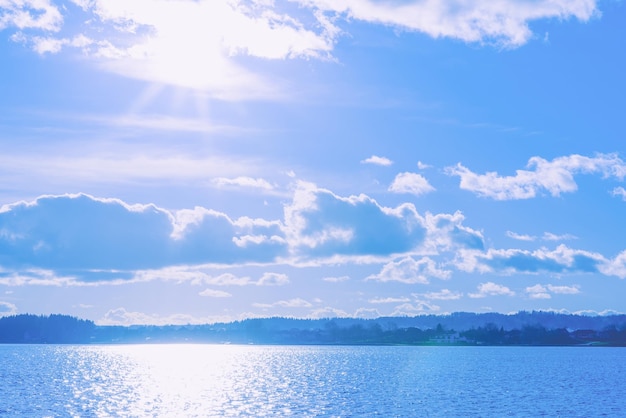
column 178, row 161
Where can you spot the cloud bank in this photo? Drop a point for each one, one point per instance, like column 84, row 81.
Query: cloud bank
column 554, row 177
column 204, row 44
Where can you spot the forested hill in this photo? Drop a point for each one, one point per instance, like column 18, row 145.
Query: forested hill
column 523, row 328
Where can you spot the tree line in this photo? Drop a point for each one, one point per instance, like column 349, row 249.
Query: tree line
column 523, row 328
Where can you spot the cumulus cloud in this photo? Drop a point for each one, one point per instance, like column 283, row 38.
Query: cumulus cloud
column 80, row 236
column 410, row 271
column 416, row 308
column 540, row 291
column 554, row 177
column 320, row 223
column 376, row 160
column 411, row 183
column 273, row 279
column 491, row 289
column 84, row 232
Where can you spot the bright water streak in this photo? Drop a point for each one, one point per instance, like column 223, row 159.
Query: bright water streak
column 213, row 380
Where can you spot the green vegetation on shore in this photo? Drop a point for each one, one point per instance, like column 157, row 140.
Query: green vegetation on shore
column 523, row 328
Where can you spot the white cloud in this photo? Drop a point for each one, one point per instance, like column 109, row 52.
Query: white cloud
column 328, row 312
column 376, row 160
column 212, row 293
column 273, row 279
column 549, row 236
column 444, row 294
column 244, row 182
column 389, row 300
column 491, row 289
column 412, row 183
column 30, row 14
column 554, row 177
column 540, row 291
column 190, row 43
column 615, row 267
column 120, row 316
column 560, row 260
column 423, row 166
column 7, row 309
column 520, row 237
column 503, row 22
column 198, row 44
column 410, row 271
column 291, row 303
column 334, row 279
column 565, row 290
column 619, row 191
column 416, row 308
column 367, row 313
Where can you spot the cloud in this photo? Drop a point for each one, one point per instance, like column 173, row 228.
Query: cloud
column 198, row 48
column 30, row 14
column 214, row 45
column 376, row 160
column 619, row 191
column 82, row 238
column 328, row 312
column 121, row 316
column 411, row 183
column 520, row 237
column 554, row 177
column 504, row 22
column 273, row 279
column 444, row 294
column 389, row 300
column 84, row 232
column 334, row 279
column 540, row 291
column 549, row 236
column 410, row 271
column 291, row 303
column 560, row 260
column 320, row 223
column 416, row 308
column 7, row 309
column 212, row 293
column 243, row 182
column 491, row 289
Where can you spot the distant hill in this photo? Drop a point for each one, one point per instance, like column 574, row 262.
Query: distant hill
column 522, row 328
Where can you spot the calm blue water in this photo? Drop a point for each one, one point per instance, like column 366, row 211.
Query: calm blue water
column 214, row 380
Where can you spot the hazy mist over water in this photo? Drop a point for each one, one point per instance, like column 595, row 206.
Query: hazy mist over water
column 328, row 381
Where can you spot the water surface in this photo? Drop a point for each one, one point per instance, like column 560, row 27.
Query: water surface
column 329, row 381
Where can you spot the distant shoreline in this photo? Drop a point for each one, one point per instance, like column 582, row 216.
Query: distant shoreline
column 458, row 329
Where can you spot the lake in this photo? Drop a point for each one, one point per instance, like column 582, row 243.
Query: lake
column 310, row 381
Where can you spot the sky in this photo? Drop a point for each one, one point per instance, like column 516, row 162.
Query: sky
column 201, row 161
